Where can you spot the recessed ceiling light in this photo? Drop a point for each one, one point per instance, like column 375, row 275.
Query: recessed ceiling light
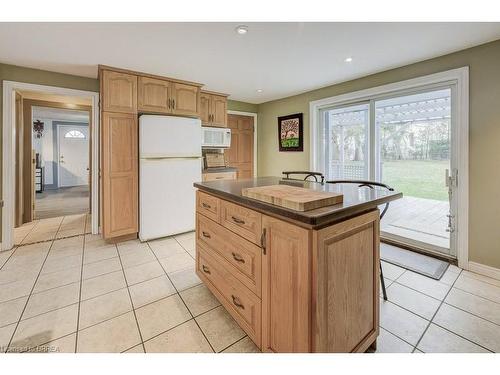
column 259, row 90
column 348, row 59
column 242, row 29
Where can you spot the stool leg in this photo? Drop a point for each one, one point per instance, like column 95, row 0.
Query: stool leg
column 382, row 281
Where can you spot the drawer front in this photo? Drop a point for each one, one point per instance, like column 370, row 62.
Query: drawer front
column 208, row 205
column 240, row 302
column 242, row 221
column 243, row 256
column 219, row 176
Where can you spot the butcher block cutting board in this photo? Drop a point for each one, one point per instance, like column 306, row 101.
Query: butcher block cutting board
column 292, row 197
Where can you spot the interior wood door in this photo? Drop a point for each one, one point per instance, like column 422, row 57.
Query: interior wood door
column 219, row 111
column 286, row 282
column 119, row 92
column 186, row 99
column 205, row 108
column 153, row 95
column 240, row 154
column 120, row 174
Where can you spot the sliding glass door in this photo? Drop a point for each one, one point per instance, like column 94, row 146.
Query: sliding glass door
column 405, row 141
column 345, row 137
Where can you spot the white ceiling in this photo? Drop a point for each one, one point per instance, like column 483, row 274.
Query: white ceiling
column 282, row 59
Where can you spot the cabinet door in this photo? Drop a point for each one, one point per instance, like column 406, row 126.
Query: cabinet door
column 186, row 99
column 219, row 111
column 119, row 92
column 119, row 174
column 205, row 108
column 153, row 95
column 286, row 286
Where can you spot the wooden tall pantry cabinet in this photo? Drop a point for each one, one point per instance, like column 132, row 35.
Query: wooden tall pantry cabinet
column 124, row 96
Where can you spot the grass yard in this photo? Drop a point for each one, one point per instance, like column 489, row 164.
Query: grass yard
column 417, row 178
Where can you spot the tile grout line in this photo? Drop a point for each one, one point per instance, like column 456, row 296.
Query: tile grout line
column 187, row 308
column 471, row 313
column 29, row 232
column 435, row 313
column 81, row 286
column 27, row 301
column 130, row 298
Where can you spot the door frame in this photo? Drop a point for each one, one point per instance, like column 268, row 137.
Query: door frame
column 254, row 115
column 459, row 77
column 8, row 153
column 58, row 148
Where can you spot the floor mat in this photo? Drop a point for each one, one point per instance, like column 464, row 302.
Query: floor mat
column 422, row 264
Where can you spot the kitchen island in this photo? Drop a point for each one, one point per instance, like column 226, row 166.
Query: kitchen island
column 294, row 281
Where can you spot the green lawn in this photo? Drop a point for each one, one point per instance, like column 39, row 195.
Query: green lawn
column 290, row 142
column 417, row 178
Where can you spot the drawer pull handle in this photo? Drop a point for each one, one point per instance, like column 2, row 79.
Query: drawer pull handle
column 237, row 220
column 206, row 269
column 206, row 205
column 238, row 258
column 205, row 234
column 237, row 302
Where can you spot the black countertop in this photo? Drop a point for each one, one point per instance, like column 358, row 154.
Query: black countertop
column 356, row 199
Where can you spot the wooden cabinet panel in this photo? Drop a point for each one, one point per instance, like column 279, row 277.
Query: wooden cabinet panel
column 208, row 205
column 241, row 303
column 153, row 95
column 218, row 176
column 219, row 111
column 241, row 152
column 119, row 174
column 345, row 285
column 243, row 256
column 119, row 92
column 247, row 223
column 286, row 281
column 213, row 109
column 205, row 109
column 185, row 99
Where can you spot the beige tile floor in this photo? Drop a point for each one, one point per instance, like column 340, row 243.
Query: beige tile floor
column 80, row 294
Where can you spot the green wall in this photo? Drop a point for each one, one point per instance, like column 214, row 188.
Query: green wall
column 234, row 105
column 484, row 153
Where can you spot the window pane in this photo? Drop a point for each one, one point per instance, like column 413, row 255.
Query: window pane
column 74, row 134
column 344, row 137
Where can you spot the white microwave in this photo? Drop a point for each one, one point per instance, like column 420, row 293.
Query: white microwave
column 215, row 137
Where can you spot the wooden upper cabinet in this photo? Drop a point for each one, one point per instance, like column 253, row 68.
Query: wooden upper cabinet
column 185, row 99
column 219, row 105
column 119, row 92
column 213, row 109
column 154, row 95
column 205, row 109
column 119, row 174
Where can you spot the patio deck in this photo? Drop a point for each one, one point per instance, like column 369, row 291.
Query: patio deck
column 419, row 219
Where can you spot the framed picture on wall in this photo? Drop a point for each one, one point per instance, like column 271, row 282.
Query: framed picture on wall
column 291, row 133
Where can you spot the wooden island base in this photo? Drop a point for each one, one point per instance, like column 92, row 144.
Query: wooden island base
column 291, row 287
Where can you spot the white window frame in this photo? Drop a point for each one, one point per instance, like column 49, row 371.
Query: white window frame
column 458, row 77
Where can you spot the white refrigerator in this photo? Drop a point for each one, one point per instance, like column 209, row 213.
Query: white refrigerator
column 169, row 164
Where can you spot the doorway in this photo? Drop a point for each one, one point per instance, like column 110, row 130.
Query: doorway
column 50, row 200
column 412, row 136
column 241, row 155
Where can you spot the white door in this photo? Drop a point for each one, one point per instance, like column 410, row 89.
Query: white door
column 73, row 154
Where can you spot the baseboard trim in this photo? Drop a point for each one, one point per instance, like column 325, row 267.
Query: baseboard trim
column 485, row 270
